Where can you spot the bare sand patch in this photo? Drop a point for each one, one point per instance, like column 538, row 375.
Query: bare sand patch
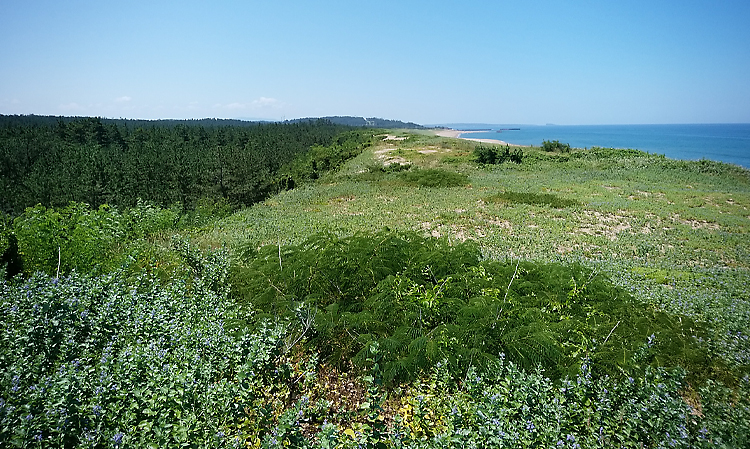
column 495, row 141
column 502, row 224
column 453, row 133
column 383, row 156
column 395, row 160
column 456, row 134
column 607, row 225
column 696, row 224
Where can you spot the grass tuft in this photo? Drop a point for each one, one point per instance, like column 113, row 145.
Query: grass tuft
column 536, row 199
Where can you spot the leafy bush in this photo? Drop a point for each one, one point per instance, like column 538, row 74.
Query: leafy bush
column 71, row 238
column 609, row 153
column 504, row 406
column 146, row 218
column 95, row 241
column 555, row 146
column 104, row 362
column 209, row 208
column 5, row 231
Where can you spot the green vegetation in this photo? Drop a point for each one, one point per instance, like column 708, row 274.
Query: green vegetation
column 95, row 162
column 435, row 177
column 73, row 237
column 539, row 199
column 385, row 292
column 556, row 146
column 494, row 155
column 372, row 122
column 422, row 301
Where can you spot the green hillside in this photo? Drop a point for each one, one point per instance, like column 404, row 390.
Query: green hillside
column 401, row 294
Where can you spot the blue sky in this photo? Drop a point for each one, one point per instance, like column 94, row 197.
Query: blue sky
column 531, row 62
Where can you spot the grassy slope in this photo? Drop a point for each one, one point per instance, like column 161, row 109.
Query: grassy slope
column 674, row 233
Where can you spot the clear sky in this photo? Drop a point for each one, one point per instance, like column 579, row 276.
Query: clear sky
column 524, row 62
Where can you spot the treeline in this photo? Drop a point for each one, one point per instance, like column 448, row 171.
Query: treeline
column 51, row 120
column 98, row 161
column 372, row 122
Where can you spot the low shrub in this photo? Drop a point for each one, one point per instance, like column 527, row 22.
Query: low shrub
column 71, row 238
column 122, row 361
column 388, row 168
column 147, row 218
column 555, row 146
column 109, row 362
column 434, row 177
column 497, row 155
column 60, row 240
column 504, row 406
column 423, row 300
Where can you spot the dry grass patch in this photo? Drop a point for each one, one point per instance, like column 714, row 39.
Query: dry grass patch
column 696, row 224
column 604, row 224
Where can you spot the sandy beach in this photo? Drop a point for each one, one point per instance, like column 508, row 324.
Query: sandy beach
column 456, row 134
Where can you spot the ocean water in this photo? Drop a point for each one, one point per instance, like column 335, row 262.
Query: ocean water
column 720, row 142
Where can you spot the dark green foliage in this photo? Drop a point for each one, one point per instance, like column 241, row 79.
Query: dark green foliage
column 434, row 177
column 423, row 300
column 609, row 153
column 364, row 122
column 77, row 237
column 497, row 155
column 96, row 161
column 321, row 159
column 5, row 240
column 390, row 168
column 709, row 167
column 537, row 199
column 10, row 262
column 556, row 146
column 105, row 362
column 146, row 218
column 50, row 120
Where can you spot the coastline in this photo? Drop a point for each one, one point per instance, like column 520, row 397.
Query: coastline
column 456, row 134
column 726, row 143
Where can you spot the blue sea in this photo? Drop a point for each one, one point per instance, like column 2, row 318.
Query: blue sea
column 720, row 142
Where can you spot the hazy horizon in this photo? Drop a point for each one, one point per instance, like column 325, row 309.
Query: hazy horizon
column 584, row 63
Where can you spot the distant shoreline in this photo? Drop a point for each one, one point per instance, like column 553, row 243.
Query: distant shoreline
column 456, row 134
column 718, row 142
